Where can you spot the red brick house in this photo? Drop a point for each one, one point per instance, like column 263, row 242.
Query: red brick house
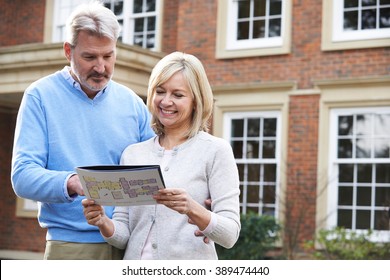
column 302, row 92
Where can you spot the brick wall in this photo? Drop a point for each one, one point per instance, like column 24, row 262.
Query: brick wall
column 21, row 22
column 196, row 34
column 15, row 233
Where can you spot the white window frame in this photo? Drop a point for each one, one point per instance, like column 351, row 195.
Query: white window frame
column 378, row 236
column 227, row 118
column 229, row 47
column 339, row 34
column 335, row 38
column 129, row 20
column 234, row 44
column 63, row 8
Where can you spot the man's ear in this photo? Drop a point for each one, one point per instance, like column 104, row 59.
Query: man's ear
column 67, row 50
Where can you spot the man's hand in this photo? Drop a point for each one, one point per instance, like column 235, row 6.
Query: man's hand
column 74, row 186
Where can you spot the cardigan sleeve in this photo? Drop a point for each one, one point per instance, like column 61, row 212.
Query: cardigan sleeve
column 224, row 192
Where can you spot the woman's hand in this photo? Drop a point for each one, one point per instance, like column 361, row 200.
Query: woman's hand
column 180, row 201
column 176, row 199
column 95, row 215
column 93, row 212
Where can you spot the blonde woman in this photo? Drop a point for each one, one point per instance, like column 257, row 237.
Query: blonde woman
column 195, row 166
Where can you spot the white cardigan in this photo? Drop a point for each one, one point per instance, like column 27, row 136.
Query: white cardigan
column 206, row 168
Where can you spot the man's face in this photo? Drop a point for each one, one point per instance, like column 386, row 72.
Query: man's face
column 92, row 61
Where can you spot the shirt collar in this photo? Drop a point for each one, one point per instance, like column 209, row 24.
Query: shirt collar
column 75, row 84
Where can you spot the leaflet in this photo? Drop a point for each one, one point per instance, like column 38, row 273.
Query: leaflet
column 121, row 185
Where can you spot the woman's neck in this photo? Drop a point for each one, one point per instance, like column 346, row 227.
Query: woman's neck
column 169, row 141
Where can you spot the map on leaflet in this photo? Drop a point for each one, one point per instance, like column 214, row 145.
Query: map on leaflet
column 121, row 185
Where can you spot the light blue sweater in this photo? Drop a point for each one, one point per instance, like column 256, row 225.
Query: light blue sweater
column 205, row 167
column 59, row 128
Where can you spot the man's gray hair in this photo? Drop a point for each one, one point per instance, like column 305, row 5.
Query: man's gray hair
column 93, row 18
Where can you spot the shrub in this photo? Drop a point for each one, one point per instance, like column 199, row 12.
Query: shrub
column 257, row 236
column 342, row 244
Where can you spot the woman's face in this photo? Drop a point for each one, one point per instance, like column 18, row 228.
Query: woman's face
column 174, row 104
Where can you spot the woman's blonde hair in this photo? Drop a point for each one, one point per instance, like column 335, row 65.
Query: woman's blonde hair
column 194, row 73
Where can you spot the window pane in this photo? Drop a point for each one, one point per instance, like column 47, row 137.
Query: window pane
column 362, row 219
column 369, row 19
column 363, row 148
column 351, row 20
column 382, row 148
column 275, row 27
column 237, row 128
column 269, row 148
column 118, row 8
column 268, row 211
column 150, row 41
column 351, row 3
column 269, row 127
column 269, row 194
column 137, row 6
column 253, row 173
column 237, row 148
column 346, row 173
column 139, row 25
column 364, row 173
column 253, row 127
column 344, row 218
column 382, row 124
column 368, row 2
column 275, row 7
column 253, row 194
column 150, row 5
column 384, row 2
column 269, row 172
column 241, row 169
column 241, row 193
column 383, row 173
column 382, row 196
column 258, row 29
column 345, row 196
column 344, row 148
column 259, row 8
column 384, row 18
column 252, row 149
column 363, row 196
column 252, row 210
column 138, row 40
column 382, row 220
column 151, row 23
column 243, row 30
column 244, row 9
column 363, row 124
column 345, row 125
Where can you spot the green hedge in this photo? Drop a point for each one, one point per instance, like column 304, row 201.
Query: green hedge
column 257, row 237
column 342, row 244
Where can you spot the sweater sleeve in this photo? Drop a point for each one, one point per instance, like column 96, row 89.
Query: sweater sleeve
column 121, row 224
column 30, row 178
column 224, row 192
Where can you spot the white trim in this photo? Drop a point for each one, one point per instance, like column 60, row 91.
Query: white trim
column 227, row 117
column 63, row 8
column 340, row 35
column 332, row 205
column 233, row 44
column 227, row 46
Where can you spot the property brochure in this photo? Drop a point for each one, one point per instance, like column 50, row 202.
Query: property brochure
column 121, row 185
